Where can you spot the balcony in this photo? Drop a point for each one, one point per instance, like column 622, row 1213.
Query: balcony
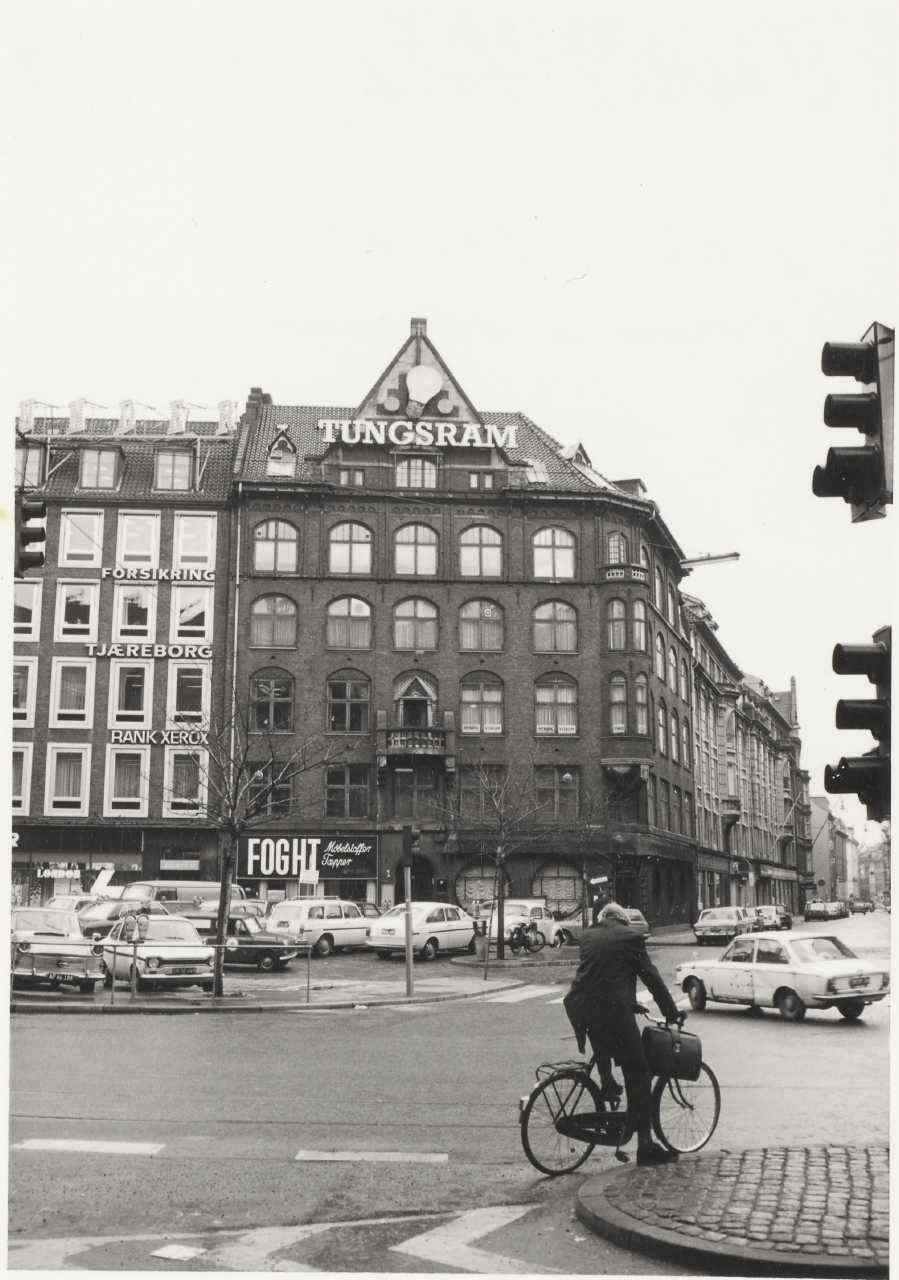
column 730, row 810
column 397, row 743
column 416, row 742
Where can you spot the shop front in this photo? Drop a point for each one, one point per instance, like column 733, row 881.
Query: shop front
column 273, row 865
column 713, row 879
column 779, row 885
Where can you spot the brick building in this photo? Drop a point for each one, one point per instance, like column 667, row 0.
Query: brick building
column 115, row 643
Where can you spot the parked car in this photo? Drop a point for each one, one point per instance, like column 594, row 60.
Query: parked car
column 792, row 972
column 170, row 953
column 815, row 909
column 100, row 918
column 774, row 916
column 324, row 924
column 526, row 911
column 370, row 910
column 721, row 924
column 436, row 927
column 47, row 946
column 74, row 901
column 860, row 906
column 247, row 941
column 638, row 921
column 179, row 892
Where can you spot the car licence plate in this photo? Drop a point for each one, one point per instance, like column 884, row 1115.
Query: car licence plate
column 183, row 970
column 858, row 981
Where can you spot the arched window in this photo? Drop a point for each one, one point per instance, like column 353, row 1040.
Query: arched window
column 273, row 623
column 275, row 547
column 349, row 698
column 659, row 591
column 685, row 745
column 675, row 735
column 684, row 681
column 415, row 700
column 415, row 550
column 481, row 626
column 271, row 702
column 480, row 552
column 553, row 553
column 415, row 625
column 349, row 623
column 617, row 624
column 555, row 627
column 416, row 473
column 641, row 691
column 672, row 606
column 672, row 670
column 282, row 458
column 660, row 657
column 617, row 549
column 618, row 703
column 556, row 705
column 662, row 729
column 640, row 625
column 482, row 703
column 349, row 547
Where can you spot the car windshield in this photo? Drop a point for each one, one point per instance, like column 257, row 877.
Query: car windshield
column 808, row 950
column 101, row 911
column 716, row 913
column 171, row 931
column 251, row 924
column 46, row 920
column 396, row 911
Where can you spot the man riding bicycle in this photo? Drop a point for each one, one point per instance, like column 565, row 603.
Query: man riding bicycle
column 602, row 1003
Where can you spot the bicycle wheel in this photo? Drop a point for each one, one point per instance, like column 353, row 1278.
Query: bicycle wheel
column 535, row 941
column 685, row 1112
column 566, row 1094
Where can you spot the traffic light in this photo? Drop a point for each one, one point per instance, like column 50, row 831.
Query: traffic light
column 411, row 845
column 867, row 776
column 29, row 509
column 861, row 475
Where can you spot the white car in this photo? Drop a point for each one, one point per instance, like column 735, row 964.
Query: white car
column 169, row 953
column 720, row 924
column 436, row 927
column 527, row 911
column 791, row 972
column 47, row 945
column 324, row 924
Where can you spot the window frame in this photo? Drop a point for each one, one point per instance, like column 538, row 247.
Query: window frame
column 28, row 451
column 23, row 807
column 556, row 682
column 347, row 620
column 54, row 750
column 347, row 787
column 91, row 559
column 98, row 453
column 30, row 664
column 126, row 558
column 480, row 622
column 131, row 811
column 639, row 629
column 279, row 808
column 480, row 681
column 254, row 701
column 281, row 448
column 616, row 625
column 348, row 703
column 558, row 788
column 119, row 591
column 36, row 588
column 408, row 462
column 417, row 623
column 171, row 709
column 276, row 542
column 358, row 477
column 190, row 637
column 271, row 645
column 82, row 637
column 202, row 755
column 171, row 455
column 116, row 668
column 352, row 570
column 555, row 549
column 641, row 704
column 554, row 624
column 421, row 550
column 618, row 704
column 616, row 549
column 179, row 560
column 491, row 549
column 89, row 665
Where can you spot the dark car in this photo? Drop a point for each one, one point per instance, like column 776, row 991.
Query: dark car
column 101, row 917
column 247, row 942
column 774, row 916
column 860, row 906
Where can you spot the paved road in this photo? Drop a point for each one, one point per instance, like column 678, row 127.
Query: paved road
column 230, row 1126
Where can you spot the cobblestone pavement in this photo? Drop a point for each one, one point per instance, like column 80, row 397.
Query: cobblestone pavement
column 814, row 1210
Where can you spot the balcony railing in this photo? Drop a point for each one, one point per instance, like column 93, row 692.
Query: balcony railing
column 420, row 742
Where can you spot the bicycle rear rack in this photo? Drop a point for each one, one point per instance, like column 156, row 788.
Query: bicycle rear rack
column 570, row 1064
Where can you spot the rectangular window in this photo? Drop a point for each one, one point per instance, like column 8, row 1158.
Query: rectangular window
column 271, row 788
column 81, row 538
column 127, row 781
column 557, row 794
column 68, row 779
column 173, row 471
column 27, row 610
column 472, row 479
column 480, row 479
column 99, row 468
column 185, row 783
column 76, row 610
column 480, row 790
column 24, row 687
column 188, row 694
column 30, row 465
column 416, row 473
column 133, row 612
column 138, row 540
column 355, row 477
column 347, row 791
column 415, row 792
column 194, row 543
column 191, row 613
column 21, row 778
column 130, row 694
column 72, row 693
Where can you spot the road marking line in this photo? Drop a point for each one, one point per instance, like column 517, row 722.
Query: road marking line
column 519, row 993
column 449, row 1245
column 92, row 1148
column 375, row 1157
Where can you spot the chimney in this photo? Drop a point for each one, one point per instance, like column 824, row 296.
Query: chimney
column 26, row 417
column 227, row 417
column 127, row 416
column 255, row 400
column 419, row 327
column 178, row 412
column 76, row 415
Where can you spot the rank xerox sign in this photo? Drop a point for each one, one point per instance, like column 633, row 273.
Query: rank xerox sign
column 307, row 857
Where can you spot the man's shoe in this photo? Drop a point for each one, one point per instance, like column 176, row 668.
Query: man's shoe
column 654, row 1154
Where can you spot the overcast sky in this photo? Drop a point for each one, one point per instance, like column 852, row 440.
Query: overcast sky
column 635, row 223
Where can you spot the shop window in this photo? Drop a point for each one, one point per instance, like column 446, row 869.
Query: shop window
column 553, row 550
column 81, row 538
column 561, row 885
column 481, row 626
column 72, row 693
column 349, row 549
column 349, row 623
column 67, row 780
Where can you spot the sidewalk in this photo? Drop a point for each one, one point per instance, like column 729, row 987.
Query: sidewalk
column 799, row 1211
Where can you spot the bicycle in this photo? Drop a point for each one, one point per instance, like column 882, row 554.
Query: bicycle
column 567, row 1114
column 526, row 938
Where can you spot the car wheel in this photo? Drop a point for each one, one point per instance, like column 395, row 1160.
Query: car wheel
column 429, row 950
column 87, row 987
column 383, row 955
column 267, row 962
column 791, row 1007
column 696, row 994
column 107, row 977
column 324, row 946
column 471, row 948
column 852, row 1010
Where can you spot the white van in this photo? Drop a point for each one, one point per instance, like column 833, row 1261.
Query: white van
column 180, row 893
column 325, row 924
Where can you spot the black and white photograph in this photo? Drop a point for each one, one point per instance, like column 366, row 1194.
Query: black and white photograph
column 450, row 556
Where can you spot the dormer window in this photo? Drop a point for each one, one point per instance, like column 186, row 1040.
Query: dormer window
column 282, row 458
column 99, row 468
column 30, row 465
column 173, row 469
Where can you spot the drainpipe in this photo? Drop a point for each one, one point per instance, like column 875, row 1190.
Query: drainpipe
column 234, row 642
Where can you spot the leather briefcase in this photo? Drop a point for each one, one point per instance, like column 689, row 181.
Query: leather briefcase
column 672, row 1053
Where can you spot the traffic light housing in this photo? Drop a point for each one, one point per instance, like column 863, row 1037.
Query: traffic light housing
column 411, row 845
column 868, row 775
column 861, row 475
column 28, row 509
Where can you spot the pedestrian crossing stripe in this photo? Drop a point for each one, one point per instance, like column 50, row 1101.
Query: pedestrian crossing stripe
column 90, row 1148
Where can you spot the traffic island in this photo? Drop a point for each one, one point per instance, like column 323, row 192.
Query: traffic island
column 796, row 1211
